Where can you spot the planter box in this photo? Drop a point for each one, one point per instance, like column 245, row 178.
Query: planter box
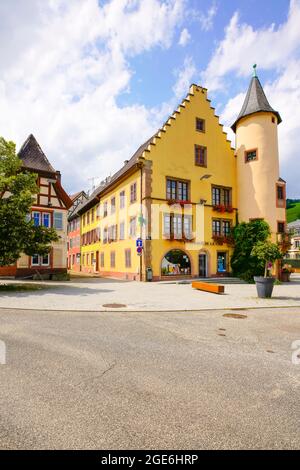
column 264, row 286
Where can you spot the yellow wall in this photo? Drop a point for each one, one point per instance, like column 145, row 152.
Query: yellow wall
column 119, row 246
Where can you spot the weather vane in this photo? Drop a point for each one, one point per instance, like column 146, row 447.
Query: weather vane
column 254, row 70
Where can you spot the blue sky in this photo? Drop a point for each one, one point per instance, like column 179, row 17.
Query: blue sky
column 92, row 79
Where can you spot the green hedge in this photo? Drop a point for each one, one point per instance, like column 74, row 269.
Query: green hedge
column 295, row 263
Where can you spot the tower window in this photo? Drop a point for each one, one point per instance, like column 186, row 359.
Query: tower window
column 280, row 227
column 273, row 119
column 280, row 195
column 200, row 125
column 250, row 155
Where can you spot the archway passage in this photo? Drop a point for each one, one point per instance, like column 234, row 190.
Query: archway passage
column 176, row 263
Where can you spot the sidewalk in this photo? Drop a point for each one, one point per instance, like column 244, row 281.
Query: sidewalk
column 94, row 294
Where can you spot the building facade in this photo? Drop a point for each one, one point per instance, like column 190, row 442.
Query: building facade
column 294, row 231
column 169, row 211
column 49, row 209
column 73, row 261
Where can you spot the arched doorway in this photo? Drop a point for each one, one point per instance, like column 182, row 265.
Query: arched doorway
column 176, row 263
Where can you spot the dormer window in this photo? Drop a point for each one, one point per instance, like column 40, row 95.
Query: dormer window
column 250, row 155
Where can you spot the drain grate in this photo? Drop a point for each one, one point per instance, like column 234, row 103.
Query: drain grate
column 235, row 315
column 114, row 306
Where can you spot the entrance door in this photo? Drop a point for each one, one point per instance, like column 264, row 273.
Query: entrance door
column 221, row 262
column 202, row 265
column 97, row 261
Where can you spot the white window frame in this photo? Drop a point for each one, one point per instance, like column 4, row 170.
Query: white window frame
column 42, row 262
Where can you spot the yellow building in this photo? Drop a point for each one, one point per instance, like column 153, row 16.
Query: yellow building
column 178, row 196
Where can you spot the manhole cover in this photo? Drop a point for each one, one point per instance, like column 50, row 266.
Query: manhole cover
column 114, row 306
column 235, row 315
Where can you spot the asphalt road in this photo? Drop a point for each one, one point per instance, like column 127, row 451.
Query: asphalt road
column 149, row 380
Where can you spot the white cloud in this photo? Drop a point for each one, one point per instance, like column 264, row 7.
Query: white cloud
column 63, row 68
column 206, row 19
column 274, row 49
column 185, row 37
column 184, row 77
column 243, row 46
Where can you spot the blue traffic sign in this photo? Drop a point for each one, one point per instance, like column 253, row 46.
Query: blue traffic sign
column 139, row 242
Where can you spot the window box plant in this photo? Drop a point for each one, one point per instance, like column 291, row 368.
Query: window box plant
column 218, row 239
column 266, row 252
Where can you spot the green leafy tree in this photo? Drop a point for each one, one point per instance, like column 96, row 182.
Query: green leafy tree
column 17, row 190
column 244, row 263
column 267, row 252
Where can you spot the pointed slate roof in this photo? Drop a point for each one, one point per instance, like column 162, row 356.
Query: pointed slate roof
column 33, row 156
column 255, row 102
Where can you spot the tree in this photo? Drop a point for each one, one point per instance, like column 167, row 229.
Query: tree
column 267, row 252
column 244, row 263
column 17, row 190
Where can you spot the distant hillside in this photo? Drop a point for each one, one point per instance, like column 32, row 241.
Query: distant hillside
column 293, row 209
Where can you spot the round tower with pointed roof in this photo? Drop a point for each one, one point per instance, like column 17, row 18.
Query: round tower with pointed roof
column 261, row 191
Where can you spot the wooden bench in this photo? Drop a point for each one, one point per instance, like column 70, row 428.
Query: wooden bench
column 207, row 287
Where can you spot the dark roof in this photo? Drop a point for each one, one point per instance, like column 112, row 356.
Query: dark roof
column 104, row 185
column 255, row 102
column 33, row 156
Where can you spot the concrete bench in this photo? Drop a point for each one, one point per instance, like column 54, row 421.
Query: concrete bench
column 207, row 287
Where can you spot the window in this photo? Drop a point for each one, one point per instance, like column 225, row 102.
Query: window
column 122, row 199
column 133, row 193
column 88, row 218
column 177, row 190
column 45, row 260
column 200, row 125
column 216, row 227
column 221, row 227
column 98, row 211
column 227, row 197
column 113, row 205
column 297, row 244
column 46, row 220
column 83, row 220
column 112, row 259
column 36, row 219
column 167, row 226
column 58, row 220
column 280, row 227
column 177, row 226
column 280, row 195
column 112, row 233
column 93, row 214
column 226, row 228
column 216, row 196
column 175, row 263
column 187, row 227
column 200, row 155
column 132, row 227
column 122, row 231
column 128, row 258
column 221, row 196
column 105, row 235
column 251, row 155
column 102, row 260
column 35, row 261
column 105, row 209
